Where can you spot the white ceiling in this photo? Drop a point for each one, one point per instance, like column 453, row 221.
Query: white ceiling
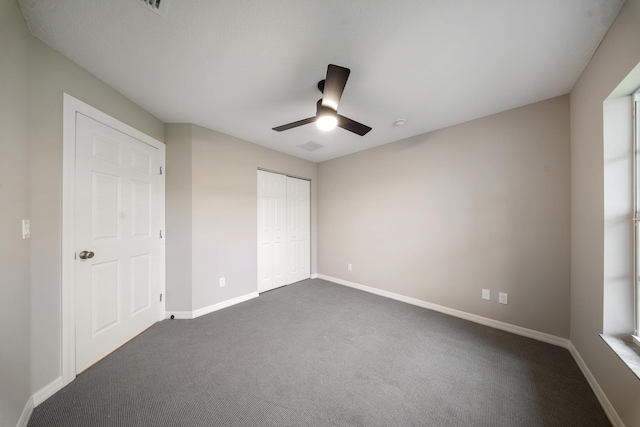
column 242, row 67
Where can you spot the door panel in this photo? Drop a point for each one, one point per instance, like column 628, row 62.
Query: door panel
column 105, row 286
column 140, row 283
column 272, row 192
column 298, row 229
column 141, row 204
column 117, row 217
column 106, row 197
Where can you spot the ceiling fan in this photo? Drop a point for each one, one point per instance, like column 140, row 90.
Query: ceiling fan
column 327, row 116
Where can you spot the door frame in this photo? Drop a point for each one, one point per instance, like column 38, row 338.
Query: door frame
column 71, row 107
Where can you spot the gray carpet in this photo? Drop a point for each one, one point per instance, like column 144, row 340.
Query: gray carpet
column 320, row 354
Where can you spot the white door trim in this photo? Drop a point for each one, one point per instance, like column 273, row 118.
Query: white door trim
column 71, row 107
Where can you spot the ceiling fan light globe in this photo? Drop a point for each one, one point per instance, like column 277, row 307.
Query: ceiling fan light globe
column 327, row 122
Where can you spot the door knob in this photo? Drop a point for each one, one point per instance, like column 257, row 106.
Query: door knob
column 86, row 255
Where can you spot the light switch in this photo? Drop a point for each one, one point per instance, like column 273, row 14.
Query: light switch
column 26, row 229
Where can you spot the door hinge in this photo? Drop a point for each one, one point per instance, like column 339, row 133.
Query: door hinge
column 160, row 170
column 160, row 297
column 160, row 234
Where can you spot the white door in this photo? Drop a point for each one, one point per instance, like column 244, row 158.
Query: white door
column 284, row 235
column 272, row 197
column 117, row 219
column 298, row 229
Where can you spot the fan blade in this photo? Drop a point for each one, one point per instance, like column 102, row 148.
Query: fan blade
column 334, row 86
column 352, row 126
column 295, row 124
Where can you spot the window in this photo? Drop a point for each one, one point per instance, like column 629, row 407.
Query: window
column 636, row 215
column 621, row 280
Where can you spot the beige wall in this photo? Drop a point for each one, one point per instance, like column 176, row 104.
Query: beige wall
column 14, row 206
column 33, row 79
column 223, row 241
column 178, row 217
column 442, row 215
column 51, row 74
column 436, row 217
column 617, row 55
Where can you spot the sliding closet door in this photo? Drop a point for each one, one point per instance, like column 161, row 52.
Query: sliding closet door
column 272, row 199
column 284, row 232
column 298, row 229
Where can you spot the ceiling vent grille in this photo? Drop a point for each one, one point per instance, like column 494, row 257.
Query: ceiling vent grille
column 310, row 146
column 158, row 6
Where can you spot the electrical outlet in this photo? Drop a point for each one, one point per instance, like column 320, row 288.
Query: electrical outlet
column 26, row 229
column 486, row 294
column 222, row 282
column 503, row 298
column 349, row 267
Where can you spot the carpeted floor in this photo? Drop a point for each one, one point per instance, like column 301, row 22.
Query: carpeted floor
column 320, row 354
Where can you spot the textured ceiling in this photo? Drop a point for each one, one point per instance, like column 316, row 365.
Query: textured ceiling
column 242, row 67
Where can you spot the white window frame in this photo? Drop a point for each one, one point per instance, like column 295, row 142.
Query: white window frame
column 636, row 216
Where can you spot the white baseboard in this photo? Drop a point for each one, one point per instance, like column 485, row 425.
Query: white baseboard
column 57, row 384
column 26, row 413
column 210, row 309
column 37, row 398
column 47, row 391
column 314, row 276
column 182, row 315
column 540, row 336
column 602, row 398
column 518, row 330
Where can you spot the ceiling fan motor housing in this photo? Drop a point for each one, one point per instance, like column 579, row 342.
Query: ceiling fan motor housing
column 324, row 110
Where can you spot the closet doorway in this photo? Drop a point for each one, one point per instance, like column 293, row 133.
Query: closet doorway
column 284, row 230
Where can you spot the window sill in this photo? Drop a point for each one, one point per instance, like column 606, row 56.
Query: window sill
column 627, row 350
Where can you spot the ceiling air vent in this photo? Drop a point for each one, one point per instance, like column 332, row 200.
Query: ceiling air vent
column 158, row 6
column 310, row 146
